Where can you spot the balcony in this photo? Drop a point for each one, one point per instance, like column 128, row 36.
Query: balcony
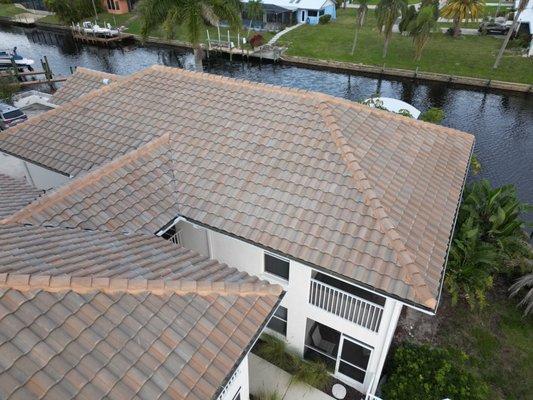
column 345, row 305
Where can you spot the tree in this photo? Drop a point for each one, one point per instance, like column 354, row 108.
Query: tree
column 254, row 10
column 420, row 29
column 459, row 10
column 70, row 11
column 524, row 283
column 434, row 115
column 361, row 13
column 521, row 6
column 192, row 15
column 407, row 18
column 387, row 12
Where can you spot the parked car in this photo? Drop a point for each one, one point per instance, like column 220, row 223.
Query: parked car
column 10, row 116
column 493, row 28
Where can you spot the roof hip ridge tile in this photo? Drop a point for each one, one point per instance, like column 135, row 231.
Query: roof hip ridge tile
column 85, row 284
column 412, row 275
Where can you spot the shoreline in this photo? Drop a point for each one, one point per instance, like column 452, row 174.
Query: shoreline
column 331, row 65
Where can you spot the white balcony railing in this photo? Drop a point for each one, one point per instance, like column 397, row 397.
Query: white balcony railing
column 345, row 305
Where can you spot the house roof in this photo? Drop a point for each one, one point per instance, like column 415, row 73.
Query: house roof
column 66, row 337
column 96, row 314
column 360, row 192
column 297, row 4
column 80, row 83
column 15, row 194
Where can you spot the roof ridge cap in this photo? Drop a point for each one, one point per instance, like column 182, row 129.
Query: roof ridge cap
column 50, row 283
column 96, row 73
column 81, row 181
column 413, row 275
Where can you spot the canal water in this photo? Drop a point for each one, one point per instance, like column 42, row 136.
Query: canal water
column 501, row 122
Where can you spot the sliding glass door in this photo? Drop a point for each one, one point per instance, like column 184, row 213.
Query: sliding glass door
column 353, row 359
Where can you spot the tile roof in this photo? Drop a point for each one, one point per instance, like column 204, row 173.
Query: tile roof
column 363, row 193
column 15, row 194
column 76, row 338
column 38, row 250
column 134, row 193
column 80, row 83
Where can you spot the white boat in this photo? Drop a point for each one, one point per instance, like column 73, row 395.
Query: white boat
column 393, row 105
column 7, row 57
column 88, row 28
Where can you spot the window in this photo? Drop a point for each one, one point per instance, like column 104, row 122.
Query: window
column 277, row 266
column 354, row 359
column 113, row 5
column 312, row 13
column 237, row 395
column 278, row 322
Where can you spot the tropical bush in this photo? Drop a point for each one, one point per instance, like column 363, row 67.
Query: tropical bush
column 407, row 17
column 489, row 239
column 525, row 283
column 70, row 11
column 421, row 372
column 275, row 351
column 433, row 115
column 324, row 19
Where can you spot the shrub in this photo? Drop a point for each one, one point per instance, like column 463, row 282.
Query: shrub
column 324, row 19
column 8, row 87
column 314, row 373
column 256, row 40
column 488, row 239
column 420, row 372
column 433, row 115
column 70, row 11
column 268, row 396
column 275, row 351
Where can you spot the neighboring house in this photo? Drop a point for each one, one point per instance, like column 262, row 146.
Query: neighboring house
column 287, row 12
column 118, row 6
column 350, row 209
column 102, row 313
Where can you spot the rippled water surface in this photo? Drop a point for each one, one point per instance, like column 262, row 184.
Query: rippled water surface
column 501, row 122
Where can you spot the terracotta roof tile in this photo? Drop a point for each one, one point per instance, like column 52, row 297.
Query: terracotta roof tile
column 82, row 82
column 363, row 193
column 15, row 194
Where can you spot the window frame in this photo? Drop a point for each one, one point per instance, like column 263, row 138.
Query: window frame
column 273, row 274
column 279, row 318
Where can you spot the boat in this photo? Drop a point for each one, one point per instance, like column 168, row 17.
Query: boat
column 393, row 105
column 88, row 28
column 7, row 57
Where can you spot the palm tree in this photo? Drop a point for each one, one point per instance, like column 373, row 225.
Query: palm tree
column 361, row 13
column 192, row 15
column 387, row 12
column 521, row 6
column 459, row 10
column 420, row 29
column 254, row 10
column 524, row 282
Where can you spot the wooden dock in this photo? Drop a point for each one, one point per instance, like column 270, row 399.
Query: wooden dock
column 22, row 76
column 101, row 41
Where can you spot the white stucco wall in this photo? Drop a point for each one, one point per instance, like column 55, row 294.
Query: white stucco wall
column 249, row 258
column 35, row 175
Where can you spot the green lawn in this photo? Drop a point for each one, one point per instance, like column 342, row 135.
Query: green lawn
column 466, row 56
column 498, row 340
column 9, row 10
column 120, row 19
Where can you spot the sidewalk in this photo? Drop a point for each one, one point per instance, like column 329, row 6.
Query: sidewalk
column 267, row 378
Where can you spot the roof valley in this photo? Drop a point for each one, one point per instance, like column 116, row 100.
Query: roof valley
column 371, row 199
